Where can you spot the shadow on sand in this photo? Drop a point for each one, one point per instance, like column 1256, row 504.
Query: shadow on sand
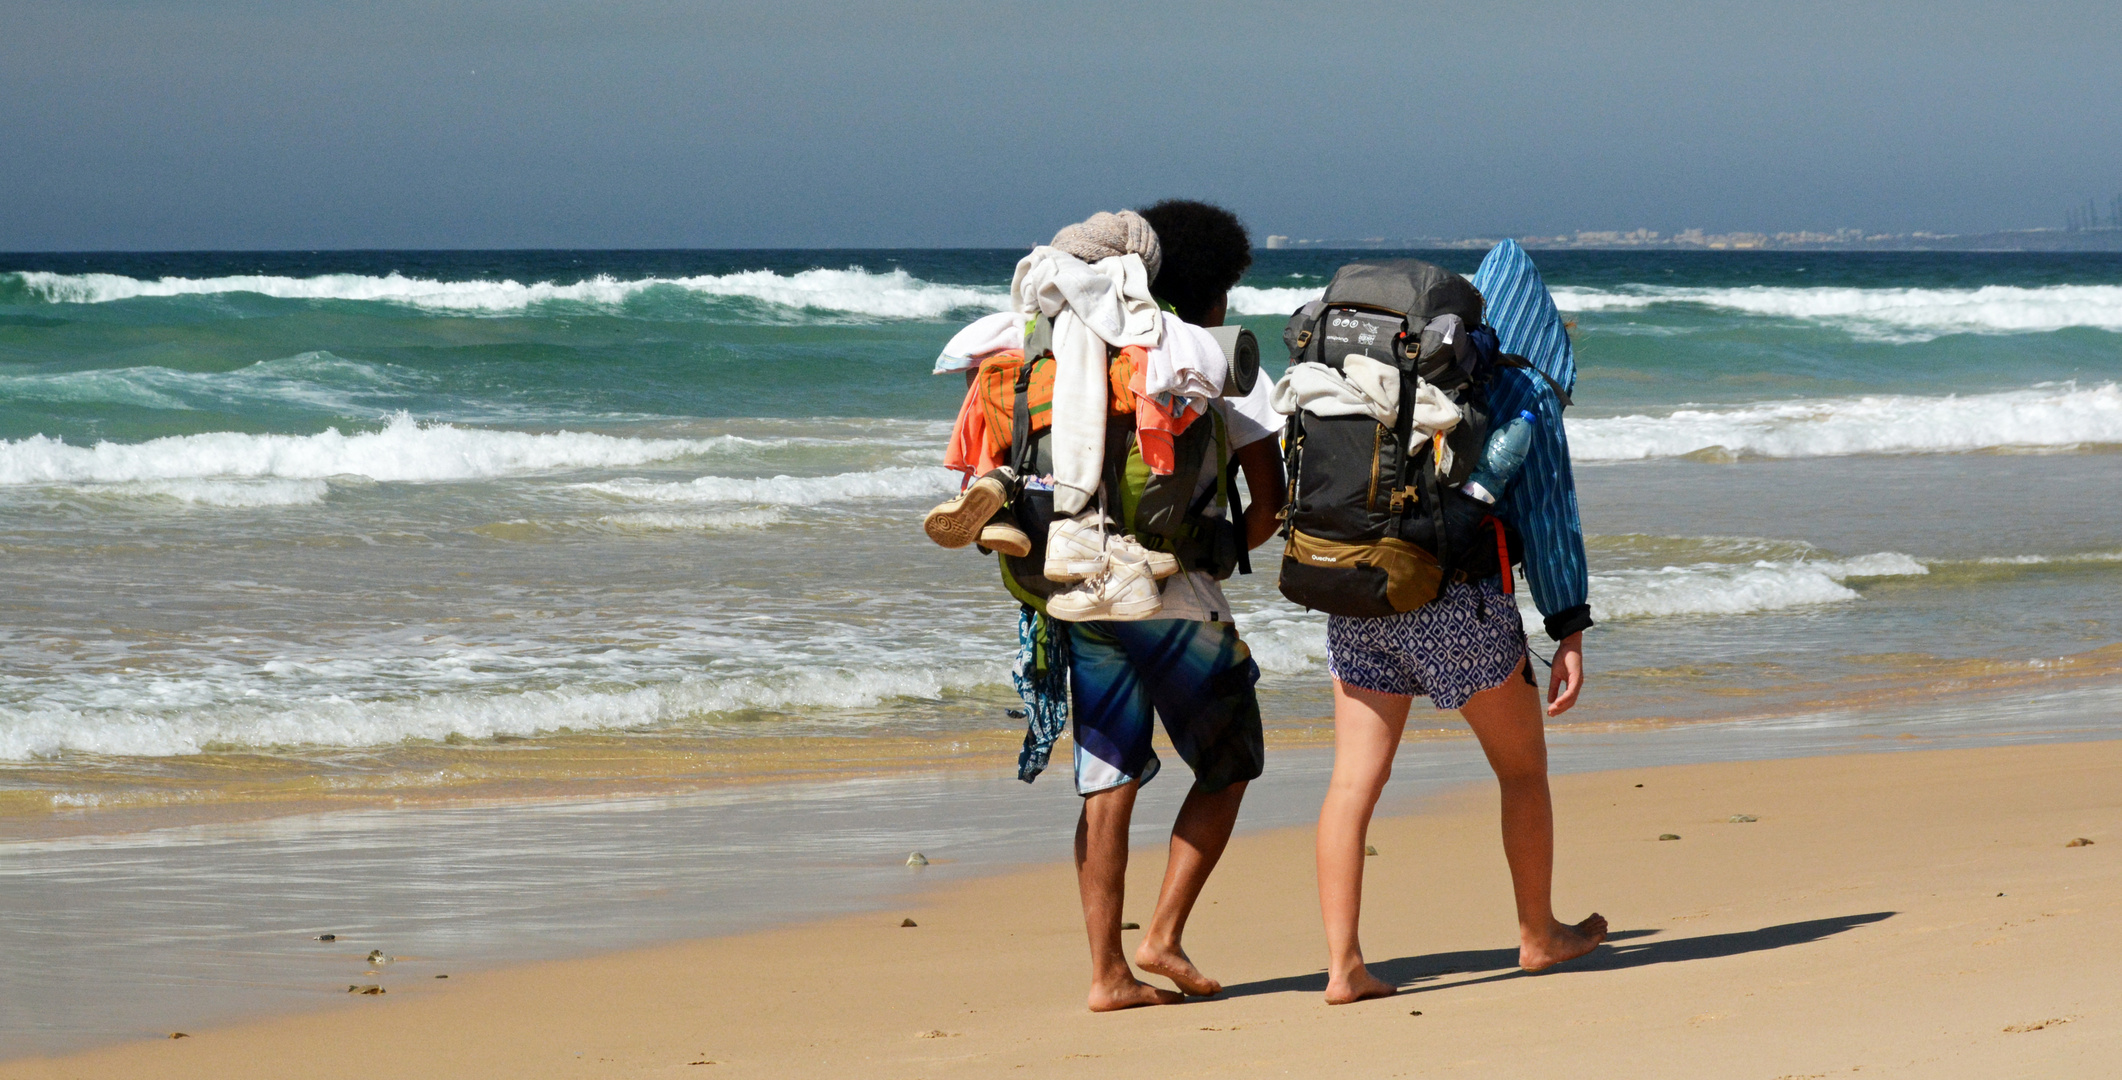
column 1415, row 974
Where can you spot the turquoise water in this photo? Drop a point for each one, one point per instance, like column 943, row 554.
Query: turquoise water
column 312, row 503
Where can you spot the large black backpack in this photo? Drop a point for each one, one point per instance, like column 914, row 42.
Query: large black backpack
column 1370, row 529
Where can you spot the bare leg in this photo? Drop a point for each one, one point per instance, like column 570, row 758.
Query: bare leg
column 1508, row 721
column 1367, row 727
column 1198, row 839
column 1101, row 874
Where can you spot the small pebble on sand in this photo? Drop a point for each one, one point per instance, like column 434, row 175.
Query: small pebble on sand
column 1740, row 819
column 357, row 988
column 917, row 859
column 178, row 1035
column 1669, row 836
column 327, row 937
column 903, row 923
column 2079, row 842
column 1369, row 850
column 1130, row 926
column 1418, row 1012
column 442, row 976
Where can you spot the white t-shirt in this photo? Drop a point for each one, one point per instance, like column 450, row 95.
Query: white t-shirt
column 1246, row 420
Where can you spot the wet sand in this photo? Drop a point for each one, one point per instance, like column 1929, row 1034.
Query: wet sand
column 1915, row 914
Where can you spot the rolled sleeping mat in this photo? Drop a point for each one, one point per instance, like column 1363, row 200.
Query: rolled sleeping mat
column 1241, row 355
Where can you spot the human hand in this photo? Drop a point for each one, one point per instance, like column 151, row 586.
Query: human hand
column 1568, row 675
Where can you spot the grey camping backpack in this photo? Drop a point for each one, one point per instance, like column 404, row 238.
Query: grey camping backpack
column 1373, row 525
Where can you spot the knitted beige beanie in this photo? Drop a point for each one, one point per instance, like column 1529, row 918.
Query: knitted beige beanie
column 1105, row 235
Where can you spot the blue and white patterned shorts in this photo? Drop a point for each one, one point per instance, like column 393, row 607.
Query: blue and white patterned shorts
column 1444, row 648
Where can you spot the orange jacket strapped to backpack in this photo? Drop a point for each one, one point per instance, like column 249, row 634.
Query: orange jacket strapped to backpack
column 981, row 439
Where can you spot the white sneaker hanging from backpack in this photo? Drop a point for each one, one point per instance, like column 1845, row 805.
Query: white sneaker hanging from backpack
column 1075, row 547
column 1124, row 592
column 1162, row 564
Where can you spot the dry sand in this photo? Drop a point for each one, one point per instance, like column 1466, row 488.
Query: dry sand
column 1913, row 914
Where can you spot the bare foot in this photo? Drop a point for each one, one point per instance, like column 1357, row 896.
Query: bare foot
column 1357, row 985
column 1173, row 964
column 1562, row 943
column 1132, row 994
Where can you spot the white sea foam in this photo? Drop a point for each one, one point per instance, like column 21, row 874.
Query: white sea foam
column 1889, row 314
column 1288, row 642
column 697, row 520
column 404, row 450
column 315, row 380
column 1249, row 300
column 893, row 294
column 240, row 494
column 2042, row 560
column 896, row 482
column 1284, row 640
column 1738, row 589
column 1892, row 314
column 334, row 721
column 2046, row 415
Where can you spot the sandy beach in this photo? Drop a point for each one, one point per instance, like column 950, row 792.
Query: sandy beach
column 1915, row 914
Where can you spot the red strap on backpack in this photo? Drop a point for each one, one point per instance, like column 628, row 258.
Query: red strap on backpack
column 1502, row 554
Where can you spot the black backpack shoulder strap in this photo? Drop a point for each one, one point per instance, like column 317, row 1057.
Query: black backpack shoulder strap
column 1038, row 341
column 1404, row 434
column 1234, row 512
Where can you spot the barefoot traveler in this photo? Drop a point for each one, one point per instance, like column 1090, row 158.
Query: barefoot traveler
column 1107, row 437
column 1407, row 509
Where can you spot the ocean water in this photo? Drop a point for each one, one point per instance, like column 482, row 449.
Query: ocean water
column 320, row 520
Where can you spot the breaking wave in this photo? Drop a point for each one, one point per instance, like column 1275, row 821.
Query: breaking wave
column 404, row 450
column 1885, row 314
column 27, row 734
column 233, row 494
column 1290, row 643
column 1739, row 589
column 1247, row 300
column 897, row 482
column 314, row 380
column 2048, row 560
column 1283, row 639
column 2047, row 415
column 1909, row 314
column 893, row 294
column 697, row 520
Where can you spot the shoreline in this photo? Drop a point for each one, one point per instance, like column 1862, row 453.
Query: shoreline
column 1861, row 907
column 213, row 923
column 86, row 795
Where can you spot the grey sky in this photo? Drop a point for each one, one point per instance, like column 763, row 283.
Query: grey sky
column 545, row 123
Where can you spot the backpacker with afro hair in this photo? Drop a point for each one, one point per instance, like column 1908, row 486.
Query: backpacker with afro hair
column 1206, row 251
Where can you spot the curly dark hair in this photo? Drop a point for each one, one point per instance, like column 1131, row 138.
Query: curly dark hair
column 1206, row 251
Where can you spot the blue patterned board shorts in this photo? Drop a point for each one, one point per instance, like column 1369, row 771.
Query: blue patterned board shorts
column 1445, row 648
column 1196, row 675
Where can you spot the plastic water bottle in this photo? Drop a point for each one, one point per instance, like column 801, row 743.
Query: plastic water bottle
column 1501, row 458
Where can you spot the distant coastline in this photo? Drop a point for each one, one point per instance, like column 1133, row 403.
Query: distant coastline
column 2088, row 239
